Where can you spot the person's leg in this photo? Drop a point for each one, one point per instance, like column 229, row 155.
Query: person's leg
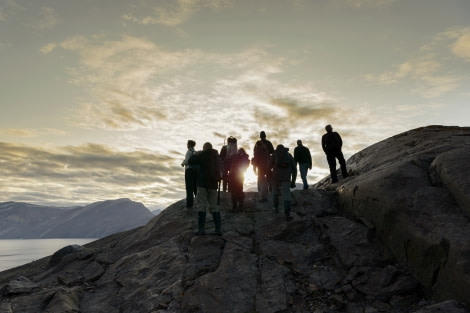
column 276, row 194
column 285, row 190
column 342, row 163
column 214, row 209
column 303, row 168
column 263, row 185
column 189, row 192
column 332, row 164
column 202, row 206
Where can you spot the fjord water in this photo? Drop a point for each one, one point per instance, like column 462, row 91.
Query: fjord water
column 16, row 252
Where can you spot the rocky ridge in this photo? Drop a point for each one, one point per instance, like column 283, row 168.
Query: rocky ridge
column 366, row 244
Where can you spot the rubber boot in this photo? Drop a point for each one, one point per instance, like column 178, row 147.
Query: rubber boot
column 276, row 204
column 287, row 210
column 201, row 221
column 217, row 223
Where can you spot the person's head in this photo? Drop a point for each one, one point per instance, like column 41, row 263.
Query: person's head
column 299, row 142
column 280, row 147
column 328, row 128
column 207, row 146
column 191, row 143
column 262, row 135
column 241, row 151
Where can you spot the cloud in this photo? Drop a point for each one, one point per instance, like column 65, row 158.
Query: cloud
column 368, row 3
column 28, row 132
column 87, row 173
column 431, row 72
column 178, row 12
column 48, row 18
column 461, row 47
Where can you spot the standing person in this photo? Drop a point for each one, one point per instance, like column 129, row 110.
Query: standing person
column 261, row 155
column 210, row 172
column 331, row 143
column 284, row 170
column 227, row 152
column 240, row 163
column 303, row 157
column 190, row 175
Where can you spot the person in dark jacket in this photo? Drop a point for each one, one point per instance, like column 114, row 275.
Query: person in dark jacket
column 240, row 163
column 261, row 155
column 332, row 143
column 210, row 173
column 282, row 177
column 303, row 157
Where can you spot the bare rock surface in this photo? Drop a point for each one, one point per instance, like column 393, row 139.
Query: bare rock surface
column 347, row 249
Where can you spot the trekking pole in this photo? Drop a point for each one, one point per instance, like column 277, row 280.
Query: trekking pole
column 218, row 194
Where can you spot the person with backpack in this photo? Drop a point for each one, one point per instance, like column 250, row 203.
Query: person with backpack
column 240, row 163
column 261, row 155
column 332, row 143
column 284, row 172
column 303, row 158
column 190, row 175
column 210, row 173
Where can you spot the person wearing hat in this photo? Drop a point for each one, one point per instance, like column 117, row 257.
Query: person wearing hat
column 261, row 156
column 331, row 143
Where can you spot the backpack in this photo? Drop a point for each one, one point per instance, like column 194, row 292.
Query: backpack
column 214, row 171
column 260, row 153
column 282, row 159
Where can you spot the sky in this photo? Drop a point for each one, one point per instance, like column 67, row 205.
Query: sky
column 98, row 98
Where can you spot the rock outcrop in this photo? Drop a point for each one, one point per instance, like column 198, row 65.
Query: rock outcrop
column 413, row 190
column 344, row 250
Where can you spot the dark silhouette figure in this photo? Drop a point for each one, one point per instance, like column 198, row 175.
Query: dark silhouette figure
column 331, row 143
column 261, row 156
column 227, row 152
column 303, row 157
column 240, row 163
column 210, row 173
column 190, row 175
column 284, row 172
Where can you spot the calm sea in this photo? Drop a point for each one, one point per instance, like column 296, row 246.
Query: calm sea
column 16, row 252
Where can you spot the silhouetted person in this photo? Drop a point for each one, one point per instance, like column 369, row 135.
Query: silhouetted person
column 240, row 163
column 261, row 156
column 227, row 152
column 190, row 175
column 284, row 172
column 331, row 143
column 303, row 157
column 210, row 172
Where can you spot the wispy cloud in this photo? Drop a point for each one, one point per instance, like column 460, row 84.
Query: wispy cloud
column 48, row 18
column 430, row 71
column 368, row 3
column 28, row 132
column 176, row 13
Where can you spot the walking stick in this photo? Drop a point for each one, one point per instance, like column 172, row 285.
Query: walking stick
column 218, row 194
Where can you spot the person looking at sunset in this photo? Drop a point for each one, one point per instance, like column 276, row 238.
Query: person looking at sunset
column 190, row 175
column 210, row 172
column 331, row 143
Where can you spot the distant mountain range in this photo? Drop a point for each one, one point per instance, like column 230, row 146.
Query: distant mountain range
column 99, row 219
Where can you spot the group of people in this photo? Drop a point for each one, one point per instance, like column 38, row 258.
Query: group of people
column 276, row 171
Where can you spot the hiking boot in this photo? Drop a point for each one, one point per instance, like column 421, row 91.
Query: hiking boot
column 201, row 221
column 217, row 223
